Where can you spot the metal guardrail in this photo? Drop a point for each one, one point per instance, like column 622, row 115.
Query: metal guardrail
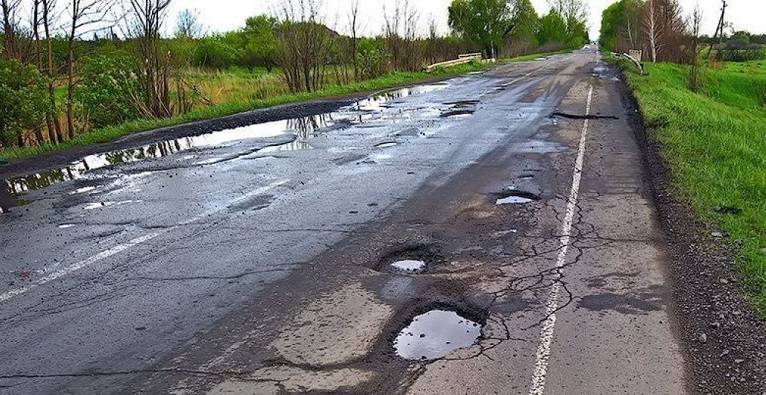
column 462, row 59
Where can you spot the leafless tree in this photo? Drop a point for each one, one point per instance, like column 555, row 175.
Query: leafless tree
column 400, row 33
column 353, row 23
column 9, row 9
column 144, row 21
column 188, row 25
column 85, row 16
column 695, row 77
column 48, row 18
column 652, row 29
column 304, row 44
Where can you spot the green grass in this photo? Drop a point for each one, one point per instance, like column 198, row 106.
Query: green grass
column 234, row 107
column 714, row 143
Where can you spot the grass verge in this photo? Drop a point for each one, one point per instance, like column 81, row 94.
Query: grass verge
column 714, row 144
column 224, row 109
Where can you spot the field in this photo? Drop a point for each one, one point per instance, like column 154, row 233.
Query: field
column 714, row 142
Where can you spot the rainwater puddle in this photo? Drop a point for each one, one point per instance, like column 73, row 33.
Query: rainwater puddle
column 301, row 126
column 377, row 107
column 436, row 334
column 66, row 226
column 409, row 266
column 83, row 190
column 386, row 145
column 516, row 197
column 97, row 205
column 292, row 146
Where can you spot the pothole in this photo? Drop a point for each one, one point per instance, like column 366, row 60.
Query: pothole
column 436, row 334
column 409, row 266
column 409, row 260
column 516, row 197
column 457, row 113
column 386, row 145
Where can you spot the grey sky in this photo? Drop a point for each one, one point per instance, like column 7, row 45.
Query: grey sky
column 223, row 15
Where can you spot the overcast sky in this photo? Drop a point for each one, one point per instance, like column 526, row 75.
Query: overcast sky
column 223, row 15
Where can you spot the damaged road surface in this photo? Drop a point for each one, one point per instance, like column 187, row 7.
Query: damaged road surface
column 456, row 237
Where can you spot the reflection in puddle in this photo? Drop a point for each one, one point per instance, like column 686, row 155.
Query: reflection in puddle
column 386, row 145
column 435, row 334
column 409, row 266
column 66, row 226
column 305, row 128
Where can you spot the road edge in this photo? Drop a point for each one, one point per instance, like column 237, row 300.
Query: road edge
column 723, row 339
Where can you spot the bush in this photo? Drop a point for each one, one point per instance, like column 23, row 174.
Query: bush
column 214, row 53
column 23, row 101
column 371, row 58
column 109, row 92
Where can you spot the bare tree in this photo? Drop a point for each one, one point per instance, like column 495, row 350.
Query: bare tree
column 188, row 25
column 85, row 16
column 144, row 20
column 695, row 78
column 652, row 29
column 9, row 9
column 353, row 23
column 48, row 8
column 304, row 45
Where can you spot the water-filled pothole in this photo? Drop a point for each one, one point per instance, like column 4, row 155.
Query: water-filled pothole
column 409, row 260
column 409, row 266
column 436, row 334
column 387, row 145
column 516, row 197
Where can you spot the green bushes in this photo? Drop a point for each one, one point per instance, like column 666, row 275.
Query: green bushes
column 23, row 102
column 109, row 92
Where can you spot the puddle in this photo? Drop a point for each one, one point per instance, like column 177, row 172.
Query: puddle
column 291, row 146
column 66, row 226
column 97, row 205
column 409, row 266
column 386, row 145
column 436, row 334
column 377, row 107
column 83, row 190
column 302, row 126
column 516, row 197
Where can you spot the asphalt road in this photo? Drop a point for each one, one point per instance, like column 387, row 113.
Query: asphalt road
column 258, row 259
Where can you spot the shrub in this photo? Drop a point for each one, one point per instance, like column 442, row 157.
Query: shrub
column 109, row 92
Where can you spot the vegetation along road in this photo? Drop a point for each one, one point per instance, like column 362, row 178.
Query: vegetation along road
column 297, row 207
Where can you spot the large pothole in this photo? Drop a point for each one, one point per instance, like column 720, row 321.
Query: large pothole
column 436, row 334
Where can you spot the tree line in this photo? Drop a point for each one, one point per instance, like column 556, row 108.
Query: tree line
column 68, row 67
column 665, row 34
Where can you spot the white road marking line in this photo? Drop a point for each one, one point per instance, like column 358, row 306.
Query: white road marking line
column 132, row 243
column 546, row 334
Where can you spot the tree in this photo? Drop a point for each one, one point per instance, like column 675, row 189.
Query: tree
column 620, row 24
column 23, row 101
column 187, row 24
column 214, row 52
column 260, row 42
column 484, row 22
column 83, row 14
column 525, row 23
column 144, row 21
column 9, row 8
column 553, row 29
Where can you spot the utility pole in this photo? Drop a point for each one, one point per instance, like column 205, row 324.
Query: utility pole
column 719, row 30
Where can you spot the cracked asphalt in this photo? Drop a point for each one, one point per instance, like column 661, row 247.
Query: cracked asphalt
column 257, row 260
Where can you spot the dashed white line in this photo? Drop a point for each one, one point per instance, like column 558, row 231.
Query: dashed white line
column 546, row 335
column 132, row 243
